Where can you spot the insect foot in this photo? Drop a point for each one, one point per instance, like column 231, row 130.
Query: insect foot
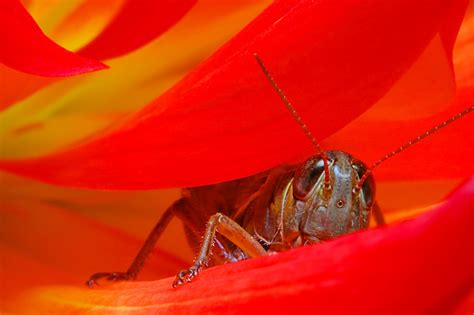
column 186, row 275
column 110, row 276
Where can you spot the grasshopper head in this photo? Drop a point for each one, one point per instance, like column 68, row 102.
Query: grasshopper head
column 332, row 211
column 332, row 191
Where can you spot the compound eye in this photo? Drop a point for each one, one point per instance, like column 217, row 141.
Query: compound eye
column 307, row 176
column 368, row 188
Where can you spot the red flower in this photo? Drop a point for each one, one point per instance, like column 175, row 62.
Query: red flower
column 365, row 77
column 422, row 266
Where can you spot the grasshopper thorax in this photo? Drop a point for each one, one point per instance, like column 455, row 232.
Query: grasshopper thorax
column 328, row 212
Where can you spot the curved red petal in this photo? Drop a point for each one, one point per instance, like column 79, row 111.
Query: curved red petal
column 443, row 155
column 225, row 121
column 423, row 266
column 450, row 27
column 26, row 48
column 137, row 23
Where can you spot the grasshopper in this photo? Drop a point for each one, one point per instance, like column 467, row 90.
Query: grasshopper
column 329, row 195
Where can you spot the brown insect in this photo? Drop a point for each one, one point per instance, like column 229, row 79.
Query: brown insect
column 328, row 195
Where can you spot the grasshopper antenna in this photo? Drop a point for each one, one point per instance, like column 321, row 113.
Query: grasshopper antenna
column 296, row 116
column 410, row 143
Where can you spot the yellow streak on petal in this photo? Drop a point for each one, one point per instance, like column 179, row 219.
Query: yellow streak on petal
column 73, row 23
column 85, row 23
column 137, row 298
column 132, row 82
column 49, row 13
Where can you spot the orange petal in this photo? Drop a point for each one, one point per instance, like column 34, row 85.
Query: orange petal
column 51, row 235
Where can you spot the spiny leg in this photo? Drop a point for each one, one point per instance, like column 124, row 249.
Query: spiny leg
column 229, row 229
column 193, row 227
column 144, row 252
column 378, row 215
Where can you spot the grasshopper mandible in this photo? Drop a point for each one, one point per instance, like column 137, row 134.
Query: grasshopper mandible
column 329, row 195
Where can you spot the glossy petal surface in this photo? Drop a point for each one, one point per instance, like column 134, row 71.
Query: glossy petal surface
column 51, row 235
column 137, row 23
column 398, row 269
column 224, row 121
column 26, row 48
column 85, row 105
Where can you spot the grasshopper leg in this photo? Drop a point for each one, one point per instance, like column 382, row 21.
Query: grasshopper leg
column 229, row 229
column 137, row 264
column 378, row 215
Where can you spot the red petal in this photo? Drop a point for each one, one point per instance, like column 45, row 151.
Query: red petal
column 450, row 27
column 424, row 266
column 434, row 157
column 26, row 48
column 443, row 155
column 137, row 23
column 225, row 121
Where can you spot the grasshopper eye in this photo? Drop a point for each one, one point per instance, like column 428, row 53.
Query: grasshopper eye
column 368, row 188
column 307, row 176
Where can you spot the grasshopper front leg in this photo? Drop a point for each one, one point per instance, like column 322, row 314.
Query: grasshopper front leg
column 144, row 252
column 229, row 229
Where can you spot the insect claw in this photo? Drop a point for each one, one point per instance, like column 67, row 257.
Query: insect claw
column 187, row 275
column 181, row 278
column 177, row 282
column 90, row 283
column 110, row 276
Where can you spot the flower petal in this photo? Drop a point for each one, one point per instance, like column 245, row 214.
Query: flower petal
column 51, row 235
column 82, row 105
column 17, row 85
column 432, row 158
column 26, row 48
column 91, row 15
column 137, row 23
column 225, row 121
column 423, row 266
column 464, row 51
